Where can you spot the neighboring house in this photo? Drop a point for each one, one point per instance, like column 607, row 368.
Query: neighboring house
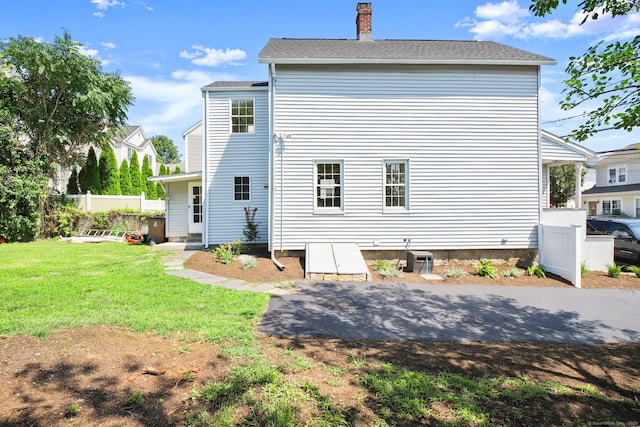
column 617, row 189
column 127, row 140
column 130, row 139
column 389, row 144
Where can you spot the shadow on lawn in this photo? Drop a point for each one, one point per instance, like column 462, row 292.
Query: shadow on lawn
column 104, row 400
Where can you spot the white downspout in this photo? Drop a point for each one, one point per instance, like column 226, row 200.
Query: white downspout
column 272, row 146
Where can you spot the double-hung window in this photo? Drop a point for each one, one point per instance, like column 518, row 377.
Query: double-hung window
column 241, row 188
column 618, row 175
column 328, row 185
column 611, row 207
column 242, row 116
column 395, row 184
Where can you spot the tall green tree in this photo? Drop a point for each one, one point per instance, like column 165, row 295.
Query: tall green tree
column 89, row 176
column 22, row 185
column 607, row 74
column 136, row 177
column 58, row 101
column 562, row 182
column 166, row 149
column 109, row 173
column 73, row 186
column 125, row 178
column 150, row 187
column 62, row 98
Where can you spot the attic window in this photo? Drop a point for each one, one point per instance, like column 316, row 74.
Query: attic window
column 242, row 116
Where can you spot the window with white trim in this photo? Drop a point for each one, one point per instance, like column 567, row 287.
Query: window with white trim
column 242, row 116
column 395, row 184
column 637, row 208
column 611, row 207
column 618, row 175
column 241, row 188
column 328, row 185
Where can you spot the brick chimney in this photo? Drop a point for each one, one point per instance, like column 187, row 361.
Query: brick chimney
column 363, row 21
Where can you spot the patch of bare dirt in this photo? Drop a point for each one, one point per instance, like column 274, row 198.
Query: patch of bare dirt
column 103, row 369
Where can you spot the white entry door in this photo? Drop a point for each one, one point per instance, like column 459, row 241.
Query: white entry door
column 195, row 208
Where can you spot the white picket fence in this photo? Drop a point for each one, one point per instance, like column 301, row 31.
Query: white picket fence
column 93, row 203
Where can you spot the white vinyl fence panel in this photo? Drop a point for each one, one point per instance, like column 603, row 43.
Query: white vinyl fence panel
column 561, row 251
column 92, row 203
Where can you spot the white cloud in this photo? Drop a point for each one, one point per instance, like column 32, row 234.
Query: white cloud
column 103, row 5
column 212, row 57
column 508, row 18
column 108, row 45
column 508, row 12
column 88, row 52
column 170, row 105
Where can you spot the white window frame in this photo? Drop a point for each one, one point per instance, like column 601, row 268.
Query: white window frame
column 235, row 193
column 637, row 206
column 250, row 128
column 387, row 185
column 619, row 175
column 322, row 185
column 612, row 208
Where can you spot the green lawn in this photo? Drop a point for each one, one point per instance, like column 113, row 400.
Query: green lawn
column 54, row 284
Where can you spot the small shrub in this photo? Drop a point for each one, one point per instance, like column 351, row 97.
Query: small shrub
column 614, row 270
column 511, row 273
column 251, row 227
column 485, row 269
column 453, row 272
column 386, row 269
column 584, row 272
column 224, row 253
column 136, row 398
column 72, row 410
column 188, row 376
column 536, row 271
column 237, row 248
column 635, row 270
column 249, row 263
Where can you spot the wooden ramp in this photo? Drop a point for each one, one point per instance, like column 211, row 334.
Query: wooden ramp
column 335, row 261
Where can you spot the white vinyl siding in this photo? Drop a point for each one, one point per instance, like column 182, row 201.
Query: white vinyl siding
column 193, row 149
column 469, row 133
column 231, row 155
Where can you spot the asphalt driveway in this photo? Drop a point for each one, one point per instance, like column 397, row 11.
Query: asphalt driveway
column 380, row 311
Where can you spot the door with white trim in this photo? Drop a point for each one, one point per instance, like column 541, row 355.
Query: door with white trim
column 195, row 208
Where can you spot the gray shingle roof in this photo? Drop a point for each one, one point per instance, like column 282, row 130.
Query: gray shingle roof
column 124, row 132
column 325, row 51
column 613, row 189
column 232, row 84
column 629, row 153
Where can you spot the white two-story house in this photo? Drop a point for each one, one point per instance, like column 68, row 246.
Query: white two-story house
column 617, row 189
column 388, row 144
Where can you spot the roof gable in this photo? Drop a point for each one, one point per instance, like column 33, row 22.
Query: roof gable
column 332, row 51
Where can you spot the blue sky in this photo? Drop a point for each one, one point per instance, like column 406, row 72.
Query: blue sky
column 169, row 49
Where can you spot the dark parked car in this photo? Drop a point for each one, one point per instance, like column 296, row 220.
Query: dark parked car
column 626, row 232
